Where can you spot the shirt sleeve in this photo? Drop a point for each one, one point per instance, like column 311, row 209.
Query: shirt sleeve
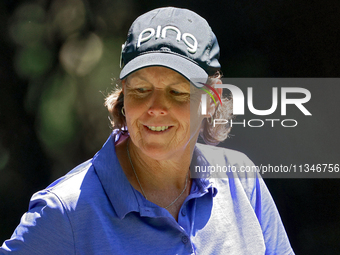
column 246, row 175
column 44, row 229
column 274, row 234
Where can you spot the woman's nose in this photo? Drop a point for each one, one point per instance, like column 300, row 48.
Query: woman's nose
column 159, row 104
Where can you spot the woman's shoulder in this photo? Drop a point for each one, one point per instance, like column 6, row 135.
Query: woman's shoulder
column 84, row 182
column 227, row 167
column 69, row 188
column 78, row 189
column 51, row 214
column 75, row 175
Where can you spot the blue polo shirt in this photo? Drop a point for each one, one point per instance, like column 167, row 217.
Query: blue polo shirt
column 95, row 210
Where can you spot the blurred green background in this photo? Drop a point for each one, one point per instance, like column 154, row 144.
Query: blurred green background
column 59, row 58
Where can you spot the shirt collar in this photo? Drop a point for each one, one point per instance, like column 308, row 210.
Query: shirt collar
column 123, row 197
column 117, row 187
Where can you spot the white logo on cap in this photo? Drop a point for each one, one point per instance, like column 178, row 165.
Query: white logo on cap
column 162, row 33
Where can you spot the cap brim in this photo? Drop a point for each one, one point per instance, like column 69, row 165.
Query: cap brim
column 183, row 66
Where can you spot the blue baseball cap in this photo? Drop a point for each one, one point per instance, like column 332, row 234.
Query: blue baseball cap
column 175, row 38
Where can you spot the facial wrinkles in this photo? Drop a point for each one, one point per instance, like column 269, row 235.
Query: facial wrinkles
column 185, row 126
column 181, row 127
column 164, row 89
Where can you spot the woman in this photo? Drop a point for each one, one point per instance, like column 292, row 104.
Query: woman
column 136, row 196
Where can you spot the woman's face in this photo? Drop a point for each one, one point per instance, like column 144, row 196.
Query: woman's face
column 157, row 103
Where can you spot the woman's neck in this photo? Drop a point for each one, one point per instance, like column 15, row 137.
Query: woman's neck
column 159, row 174
column 163, row 182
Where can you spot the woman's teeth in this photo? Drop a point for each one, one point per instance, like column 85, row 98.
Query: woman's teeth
column 158, row 128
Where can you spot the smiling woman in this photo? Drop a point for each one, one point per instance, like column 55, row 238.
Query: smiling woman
column 138, row 195
column 210, row 134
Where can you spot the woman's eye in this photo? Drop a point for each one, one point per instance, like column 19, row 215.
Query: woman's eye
column 142, row 90
column 177, row 93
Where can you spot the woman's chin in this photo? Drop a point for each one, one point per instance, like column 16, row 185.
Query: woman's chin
column 158, row 151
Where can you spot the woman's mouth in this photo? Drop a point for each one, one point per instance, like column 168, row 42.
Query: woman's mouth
column 158, row 128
